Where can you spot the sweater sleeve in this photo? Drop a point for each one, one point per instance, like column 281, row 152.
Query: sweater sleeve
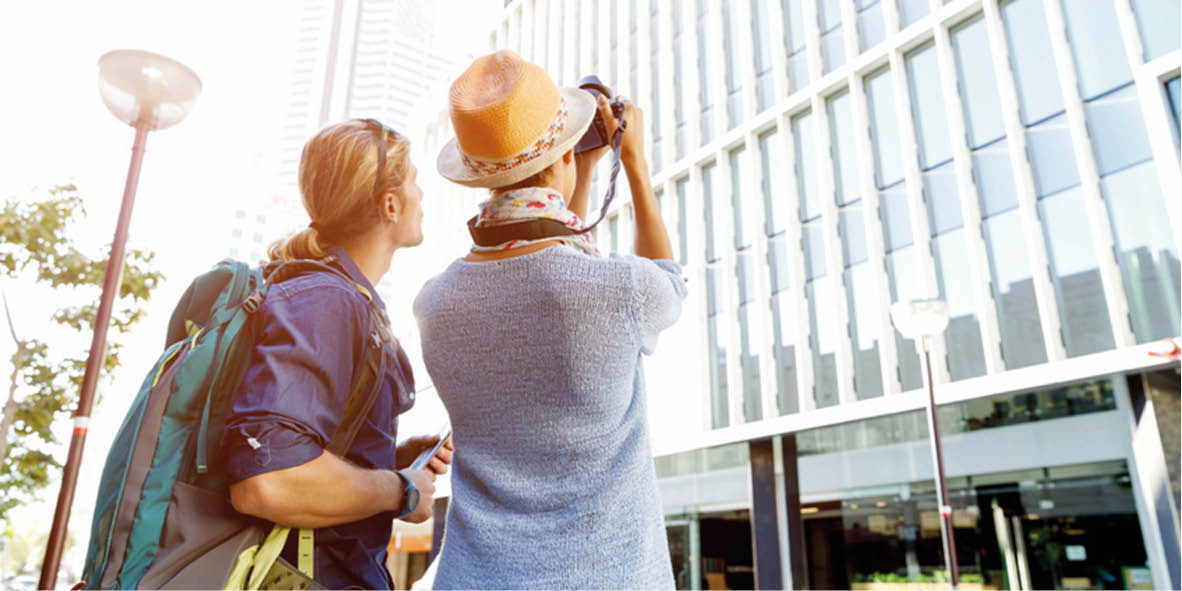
column 658, row 289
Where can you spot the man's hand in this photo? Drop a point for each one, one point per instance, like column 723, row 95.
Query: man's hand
column 411, row 448
column 424, row 481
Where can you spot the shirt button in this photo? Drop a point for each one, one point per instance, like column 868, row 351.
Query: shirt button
column 412, row 395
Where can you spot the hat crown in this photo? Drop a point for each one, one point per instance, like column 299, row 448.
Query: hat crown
column 501, row 105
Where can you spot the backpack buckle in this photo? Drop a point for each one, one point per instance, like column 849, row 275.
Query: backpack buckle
column 252, row 302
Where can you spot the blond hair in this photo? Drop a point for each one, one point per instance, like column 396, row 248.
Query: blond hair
column 337, row 171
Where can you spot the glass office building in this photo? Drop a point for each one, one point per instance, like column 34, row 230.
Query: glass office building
column 817, row 160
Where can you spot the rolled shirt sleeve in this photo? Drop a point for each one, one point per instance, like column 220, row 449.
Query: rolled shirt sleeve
column 658, row 289
column 293, row 395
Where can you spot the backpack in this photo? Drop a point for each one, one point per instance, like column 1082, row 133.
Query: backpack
column 162, row 516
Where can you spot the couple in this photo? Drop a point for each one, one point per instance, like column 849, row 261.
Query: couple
column 533, row 346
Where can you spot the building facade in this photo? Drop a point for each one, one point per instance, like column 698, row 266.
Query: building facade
column 817, row 160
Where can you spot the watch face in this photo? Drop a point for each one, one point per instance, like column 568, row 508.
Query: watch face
column 412, row 500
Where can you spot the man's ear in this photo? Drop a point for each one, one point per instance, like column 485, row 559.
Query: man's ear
column 569, row 156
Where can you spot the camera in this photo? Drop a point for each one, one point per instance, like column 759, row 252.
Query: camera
column 596, row 135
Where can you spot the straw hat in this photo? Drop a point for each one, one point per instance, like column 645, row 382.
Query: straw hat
column 511, row 122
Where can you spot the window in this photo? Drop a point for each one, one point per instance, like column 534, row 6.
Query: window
column 1094, row 36
column 966, row 355
column 794, row 45
column 655, row 82
column 832, row 44
column 870, row 26
column 1174, row 95
column 716, row 305
column 233, row 252
column 260, row 219
column 927, row 107
column 865, row 308
column 1032, row 60
column 682, row 77
column 1146, row 251
column 236, row 233
column 776, row 200
column 1158, row 21
column 763, row 55
column 239, row 214
column 705, row 101
column 819, row 287
column 911, row 11
column 613, row 70
column 734, row 72
column 902, row 271
column 682, row 225
column 1012, row 283
column 746, row 227
column 258, row 238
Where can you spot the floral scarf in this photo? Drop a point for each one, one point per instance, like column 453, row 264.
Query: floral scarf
column 528, row 203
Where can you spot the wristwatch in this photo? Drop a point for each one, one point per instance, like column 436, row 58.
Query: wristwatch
column 410, row 496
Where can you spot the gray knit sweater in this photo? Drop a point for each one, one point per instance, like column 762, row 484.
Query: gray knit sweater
column 537, row 359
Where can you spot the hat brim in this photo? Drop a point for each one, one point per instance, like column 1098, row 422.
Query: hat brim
column 581, row 108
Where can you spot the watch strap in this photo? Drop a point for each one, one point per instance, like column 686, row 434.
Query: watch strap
column 410, row 496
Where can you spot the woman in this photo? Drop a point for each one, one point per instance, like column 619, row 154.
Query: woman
column 534, row 347
column 310, row 334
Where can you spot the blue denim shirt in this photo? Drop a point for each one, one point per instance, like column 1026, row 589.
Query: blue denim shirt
column 309, row 336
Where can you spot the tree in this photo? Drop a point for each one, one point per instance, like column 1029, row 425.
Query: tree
column 37, row 247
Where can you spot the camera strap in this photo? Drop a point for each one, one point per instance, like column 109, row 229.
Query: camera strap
column 541, row 228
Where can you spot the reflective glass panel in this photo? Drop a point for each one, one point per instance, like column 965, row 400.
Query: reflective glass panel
column 705, row 90
column 717, row 217
column 749, row 365
column 734, row 83
column 1117, row 130
column 777, row 200
column 866, row 313
column 1174, row 90
column 1052, row 160
column 927, row 107
column 832, row 44
column 806, row 166
column 1032, row 60
column 905, row 281
column 966, row 357
column 939, row 189
column 1147, row 253
column 896, row 223
column 1013, row 291
column 814, row 249
column 994, row 178
column 784, row 325
column 718, row 336
column 1083, row 310
column 1160, row 22
column 884, row 131
column 743, row 199
column 977, row 83
column 845, row 173
column 911, row 11
column 870, row 26
column 682, row 224
column 1094, row 35
column 822, row 299
column 762, row 54
column 793, row 13
column 851, row 227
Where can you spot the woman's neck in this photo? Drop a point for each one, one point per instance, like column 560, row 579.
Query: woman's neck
column 370, row 255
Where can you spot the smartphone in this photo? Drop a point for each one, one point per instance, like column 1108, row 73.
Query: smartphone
column 424, row 458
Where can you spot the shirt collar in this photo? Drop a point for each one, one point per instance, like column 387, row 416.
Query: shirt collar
column 346, row 264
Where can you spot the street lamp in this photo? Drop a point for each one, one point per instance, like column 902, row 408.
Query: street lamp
column 148, row 92
column 923, row 320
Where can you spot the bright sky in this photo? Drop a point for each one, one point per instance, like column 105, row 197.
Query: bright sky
column 56, row 129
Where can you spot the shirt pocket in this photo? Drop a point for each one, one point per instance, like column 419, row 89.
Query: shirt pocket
column 399, row 379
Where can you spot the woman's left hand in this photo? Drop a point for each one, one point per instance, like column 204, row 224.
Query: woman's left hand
column 411, row 448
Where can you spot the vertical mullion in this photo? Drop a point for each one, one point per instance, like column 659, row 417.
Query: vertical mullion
column 834, row 259
column 1089, row 176
column 970, row 206
column 1044, row 293
column 696, row 272
column 849, row 30
column 913, row 182
column 890, row 19
column 642, row 94
column 888, row 354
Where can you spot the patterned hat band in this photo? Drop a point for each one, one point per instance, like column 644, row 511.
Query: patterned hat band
column 543, row 145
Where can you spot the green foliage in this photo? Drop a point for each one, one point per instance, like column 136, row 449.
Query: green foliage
column 37, row 247
column 936, row 576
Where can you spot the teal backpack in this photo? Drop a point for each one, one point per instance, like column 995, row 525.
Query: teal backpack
column 162, row 517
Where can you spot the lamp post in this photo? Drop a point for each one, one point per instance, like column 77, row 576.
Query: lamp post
column 148, row 92
column 923, row 320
